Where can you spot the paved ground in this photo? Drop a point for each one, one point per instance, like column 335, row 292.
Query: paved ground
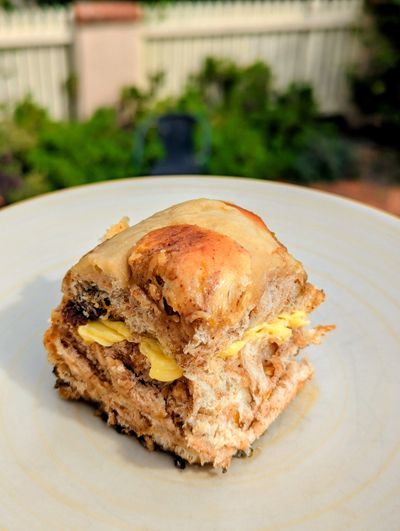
column 383, row 196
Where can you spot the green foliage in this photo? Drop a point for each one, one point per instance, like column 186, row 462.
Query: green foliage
column 257, row 132
column 32, row 184
column 376, row 83
column 7, row 5
column 40, row 155
column 15, row 144
column 64, row 2
column 76, row 153
column 30, row 117
column 325, row 157
column 260, row 132
column 135, row 104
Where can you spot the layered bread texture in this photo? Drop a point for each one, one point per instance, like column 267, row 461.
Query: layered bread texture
column 185, row 329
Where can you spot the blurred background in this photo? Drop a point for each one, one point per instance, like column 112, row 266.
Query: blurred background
column 301, row 91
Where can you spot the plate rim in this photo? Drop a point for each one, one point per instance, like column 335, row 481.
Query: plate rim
column 330, row 196
column 337, row 203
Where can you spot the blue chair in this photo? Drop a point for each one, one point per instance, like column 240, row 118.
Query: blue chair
column 177, row 135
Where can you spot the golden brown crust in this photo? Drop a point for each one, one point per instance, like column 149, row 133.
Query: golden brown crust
column 274, row 276
column 195, row 272
column 256, row 219
column 194, row 277
column 111, row 257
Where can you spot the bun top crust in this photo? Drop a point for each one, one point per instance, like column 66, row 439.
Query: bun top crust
column 256, row 219
column 199, row 273
column 212, row 256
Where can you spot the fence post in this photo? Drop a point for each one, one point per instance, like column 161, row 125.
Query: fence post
column 106, row 50
column 310, row 8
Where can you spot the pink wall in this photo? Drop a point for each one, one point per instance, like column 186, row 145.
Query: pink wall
column 106, row 52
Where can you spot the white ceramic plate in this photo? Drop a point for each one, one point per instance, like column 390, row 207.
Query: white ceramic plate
column 331, row 461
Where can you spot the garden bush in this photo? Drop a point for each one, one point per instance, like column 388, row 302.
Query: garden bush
column 257, row 131
column 375, row 83
column 56, row 155
column 261, row 132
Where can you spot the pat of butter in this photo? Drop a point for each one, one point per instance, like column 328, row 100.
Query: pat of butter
column 163, row 367
column 279, row 330
column 104, row 332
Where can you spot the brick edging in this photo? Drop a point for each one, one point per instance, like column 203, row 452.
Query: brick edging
column 92, row 12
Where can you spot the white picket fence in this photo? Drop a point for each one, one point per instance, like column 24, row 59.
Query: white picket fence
column 35, row 57
column 302, row 40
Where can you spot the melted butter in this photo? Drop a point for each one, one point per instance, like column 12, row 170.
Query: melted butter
column 279, row 330
column 106, row 333
column 163, row 367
